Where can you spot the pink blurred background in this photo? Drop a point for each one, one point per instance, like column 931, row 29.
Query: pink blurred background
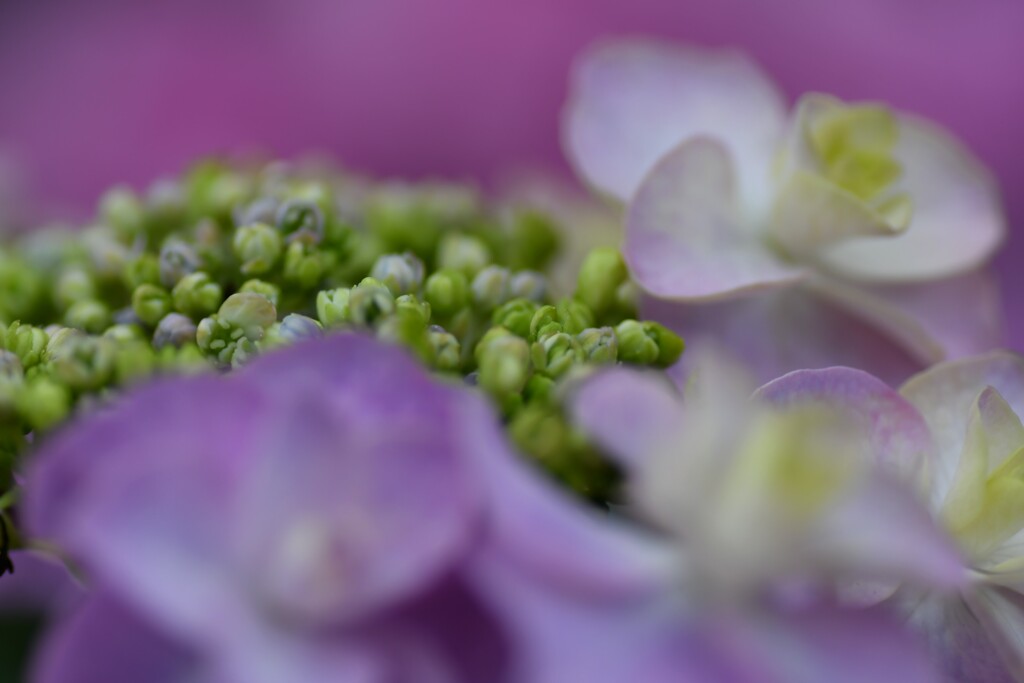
column 93, row 93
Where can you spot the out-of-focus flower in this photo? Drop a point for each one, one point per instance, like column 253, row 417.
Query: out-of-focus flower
column 328, row 513
column 974, row 407
column 775, row 502
column 727, row 196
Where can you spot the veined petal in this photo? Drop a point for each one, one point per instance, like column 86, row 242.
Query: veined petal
column 632, row 101
column 948, row 318
column 898, row 437
column 957, row 223
column 958, row 642
column 630, row 413
column 945, row 395
column 684, row 240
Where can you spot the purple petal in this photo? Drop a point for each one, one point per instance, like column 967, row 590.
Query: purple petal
column 633, row 101
column 40, row 583
column 938, row 320
column 104, row 642
column 773, row 333
column 684, row 236
column 898, row 436
column 628, row 412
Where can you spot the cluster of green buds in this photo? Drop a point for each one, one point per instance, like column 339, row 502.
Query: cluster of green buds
column 204, row 272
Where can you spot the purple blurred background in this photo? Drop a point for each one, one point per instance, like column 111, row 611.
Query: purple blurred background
column 93, row 93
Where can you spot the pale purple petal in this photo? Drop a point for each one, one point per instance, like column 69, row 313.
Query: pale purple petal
column 684, row 234
column 959, row 642
column 103, row 642
column 537, row 528
column 773, row 333
column 938, row 320
column 627, row 412
column 633, row 101
column 898, row 437
column 958, row 220
column 945, row 395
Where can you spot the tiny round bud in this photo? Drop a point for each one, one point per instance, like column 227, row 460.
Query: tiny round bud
column 574, row 315
column 602, row 273
column 28, row 342
column 89, row 315
column 123, row 332
column 447, row 291
column 267, row 289
column 504, row 364
column 73, row 284
column 144, row 269
column 515, row 315
column 43, row 402
column 262, row 210
column 177, row 259
column 464, row 253
column 121, row 209
column 304, row 265
column 258, row 246
column 599, row 344
column 250, row 312
column 301, row 220
column 297, row 327
column 490, row 287
column 401, row 273
column 544, row 322
column 528, row 284
column 85, row 363
column 670, row 344
column 635, row 344
column 151, row 303
column 554, row 354
column 197, row 295
column 332, row 306
column 446, row 352
column 369, row 301
column 174, row 330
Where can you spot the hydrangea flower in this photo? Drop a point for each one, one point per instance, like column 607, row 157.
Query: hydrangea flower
column 728, row 194
column 328, row 513
column 778, row 503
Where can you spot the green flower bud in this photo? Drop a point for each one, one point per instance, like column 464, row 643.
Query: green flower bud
column 125, row 332
column 408, row 304
column 11, row 369
column 533, row 241
column 332, row 307
column 545, row 322
column 602, row 273
column 670, row 344
column 258, row 246
column 445, row 350
column 539, row 389
column 197, row 295
column 85, row 363
column 27, row 341
column 515, row 315
column 144, row 269
column 151, row 303
column 528, row 284
column 121, row 209
column 293, row 328
column 175, row 330
column 301, row 220
column 574, row 315
column 401, row 273
column 305, row 265
column 22, row 290
column 447, row 291
column 177, row 259
column 464, row 253
column 369, row 301
column 106, row 254
column 89, row 315
column 134, row 360
column 599, row 344
column 490, row 287
column 503, row 364
column 73, row 284
column 43, row 403
column 189, row 359
column 249, row 312
column 541, row 432
column 554, row 354
column 59, row 339
column 627, row 298
column 636, row 344
column 271, row 291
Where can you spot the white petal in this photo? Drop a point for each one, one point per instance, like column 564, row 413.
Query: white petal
column 684, row 238
column 633, row 101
